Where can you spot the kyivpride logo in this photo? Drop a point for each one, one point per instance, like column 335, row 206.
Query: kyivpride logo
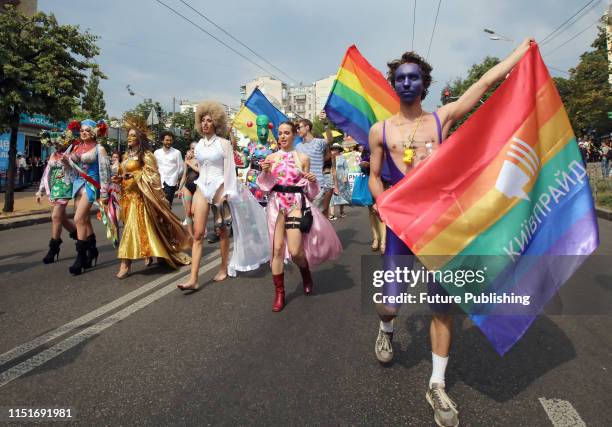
column 517, row 171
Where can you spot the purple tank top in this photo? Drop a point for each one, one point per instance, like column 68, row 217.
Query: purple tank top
column 390, row 172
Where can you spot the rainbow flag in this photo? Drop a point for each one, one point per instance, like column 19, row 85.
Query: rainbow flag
column 507, row 193
column 360, row 97
column 257, row 104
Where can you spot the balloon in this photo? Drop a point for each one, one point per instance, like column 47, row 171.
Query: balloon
column 270, row 125
column 249, row 124
column 259, row 194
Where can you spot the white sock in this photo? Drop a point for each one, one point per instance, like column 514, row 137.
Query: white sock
column 438, row 369
column 386, row 326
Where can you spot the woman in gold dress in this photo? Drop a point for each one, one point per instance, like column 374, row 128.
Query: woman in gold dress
column 150, row 229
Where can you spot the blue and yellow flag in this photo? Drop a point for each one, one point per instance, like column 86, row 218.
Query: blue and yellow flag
column 257, row 104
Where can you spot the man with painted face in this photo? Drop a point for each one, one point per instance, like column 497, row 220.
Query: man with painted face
column 398, row 145
column 255, row 153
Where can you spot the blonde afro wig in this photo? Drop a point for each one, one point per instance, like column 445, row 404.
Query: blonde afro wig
column 217, row 112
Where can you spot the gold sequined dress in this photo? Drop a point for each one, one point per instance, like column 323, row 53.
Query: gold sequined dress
column 150, row 228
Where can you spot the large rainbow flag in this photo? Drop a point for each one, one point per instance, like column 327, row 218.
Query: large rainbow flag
column 507, row 193
column 360, row 97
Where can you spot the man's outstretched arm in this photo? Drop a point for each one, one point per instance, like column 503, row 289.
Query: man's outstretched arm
column 454, row 111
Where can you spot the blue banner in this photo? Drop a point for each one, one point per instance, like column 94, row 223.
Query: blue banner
column 41, row 121
column 5, row 141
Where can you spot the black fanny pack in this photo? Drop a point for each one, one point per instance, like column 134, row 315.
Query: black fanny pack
column 307, row 219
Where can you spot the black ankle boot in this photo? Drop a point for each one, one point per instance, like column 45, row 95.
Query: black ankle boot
column 79, row 263
column 92, row 251
column 54, row 250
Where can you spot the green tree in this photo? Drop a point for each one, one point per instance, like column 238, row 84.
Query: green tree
column 458, row 86
column 93, row 100
column 318, row 129
column 586, row 94
column 184, row 120
column 43, row 70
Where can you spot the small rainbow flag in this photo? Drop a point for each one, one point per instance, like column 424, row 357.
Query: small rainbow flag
column 360, row 97
column 507, row 193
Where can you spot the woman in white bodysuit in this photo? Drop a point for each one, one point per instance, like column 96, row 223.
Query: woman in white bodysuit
column 232, row 205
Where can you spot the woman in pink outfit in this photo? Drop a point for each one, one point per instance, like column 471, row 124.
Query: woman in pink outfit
column 286, row 176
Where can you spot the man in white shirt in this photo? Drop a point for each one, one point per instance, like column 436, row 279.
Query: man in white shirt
column 170, row 165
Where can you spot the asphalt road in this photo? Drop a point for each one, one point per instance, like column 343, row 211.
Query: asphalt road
column 139, row 352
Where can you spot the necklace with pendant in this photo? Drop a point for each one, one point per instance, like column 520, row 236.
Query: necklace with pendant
column 408, row 150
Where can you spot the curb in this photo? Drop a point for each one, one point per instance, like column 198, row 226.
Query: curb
column 604, row 213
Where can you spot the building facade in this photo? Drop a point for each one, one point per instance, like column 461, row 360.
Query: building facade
column 275, row 90
column 301, row 102
column 298, row 101
column 322, row 89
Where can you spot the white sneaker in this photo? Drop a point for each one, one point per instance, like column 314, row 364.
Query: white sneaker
column 384, row 346
column 445, row 410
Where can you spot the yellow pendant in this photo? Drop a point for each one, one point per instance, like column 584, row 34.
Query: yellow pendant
column 408, row 155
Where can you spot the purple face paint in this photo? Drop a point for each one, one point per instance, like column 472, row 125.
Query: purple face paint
column 408, row 82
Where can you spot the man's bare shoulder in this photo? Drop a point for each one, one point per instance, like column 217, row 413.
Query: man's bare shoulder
column 376, row 133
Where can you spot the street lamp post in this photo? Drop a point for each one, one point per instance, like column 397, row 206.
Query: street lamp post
column 496, row 36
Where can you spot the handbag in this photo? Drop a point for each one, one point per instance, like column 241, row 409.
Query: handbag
column 306, row 221
column 361, row 193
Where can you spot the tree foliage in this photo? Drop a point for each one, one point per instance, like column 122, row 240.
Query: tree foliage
column 318, row 129
column 458, row 86
column 184, row 120
column 586, row 93
column 93, row 100
column 43, row 69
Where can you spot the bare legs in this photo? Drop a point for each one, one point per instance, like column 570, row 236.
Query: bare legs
column 82, row 217
column 375, row 228
column 187, row 204
column 59, row 220
column 294, row 244
column 200, row 214
column 200, row 208
column 440, row 332
column 326, row 202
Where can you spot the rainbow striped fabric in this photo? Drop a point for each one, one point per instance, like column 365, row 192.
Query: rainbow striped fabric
column 507, row 193
column 360, row 97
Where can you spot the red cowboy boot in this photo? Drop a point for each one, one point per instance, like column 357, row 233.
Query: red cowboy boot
column 279, row 287
column 306, row 279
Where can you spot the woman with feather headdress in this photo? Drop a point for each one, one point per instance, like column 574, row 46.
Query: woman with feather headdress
column 150, row 229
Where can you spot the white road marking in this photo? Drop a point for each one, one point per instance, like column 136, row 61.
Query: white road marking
column 2, row 261
column 561, row 413
column 70, row 342
column 87, row 318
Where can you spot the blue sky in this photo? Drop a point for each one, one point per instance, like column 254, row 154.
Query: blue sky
column 160, row 56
